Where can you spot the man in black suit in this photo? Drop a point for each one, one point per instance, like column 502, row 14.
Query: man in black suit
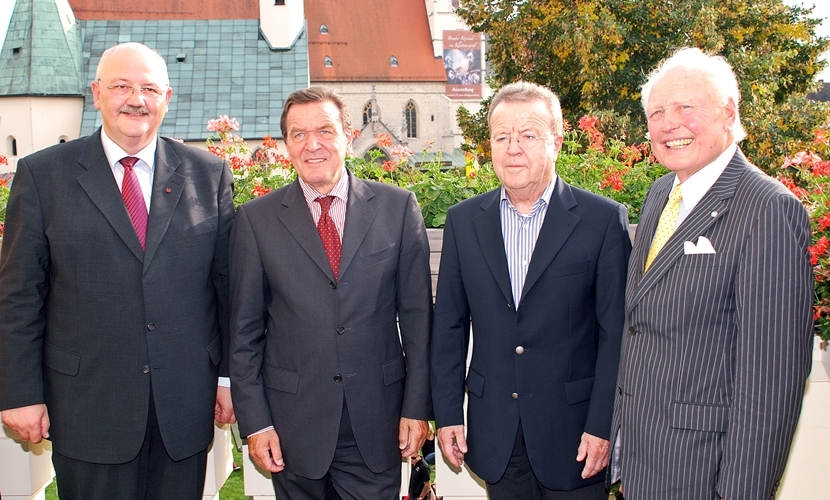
column 324, row 271
column 539, row 268
column 114, row 296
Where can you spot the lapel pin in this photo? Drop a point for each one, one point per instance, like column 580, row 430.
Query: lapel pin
column 715, row 214
column 168, row 190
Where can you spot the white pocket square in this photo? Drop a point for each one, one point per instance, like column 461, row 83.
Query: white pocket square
column 703, row 246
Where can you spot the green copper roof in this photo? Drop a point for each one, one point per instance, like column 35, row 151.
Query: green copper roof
column 216, row 67
column 41, row 55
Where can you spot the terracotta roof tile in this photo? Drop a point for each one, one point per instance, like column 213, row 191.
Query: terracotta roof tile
column 149, row 10
column 363, row 35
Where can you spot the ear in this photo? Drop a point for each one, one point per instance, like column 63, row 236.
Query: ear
column 96, row 94
column 731, row 110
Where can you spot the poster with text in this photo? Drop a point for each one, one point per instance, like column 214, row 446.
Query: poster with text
column 462, row 64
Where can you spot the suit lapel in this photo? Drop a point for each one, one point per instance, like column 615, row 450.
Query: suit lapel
column 713, row 206
column 488, row 229
column 558, row 225
column 297, row 219
column 360, row 212
column 99, row 184
column 168, row 185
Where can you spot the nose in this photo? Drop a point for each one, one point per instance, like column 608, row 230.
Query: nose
column 135, row 96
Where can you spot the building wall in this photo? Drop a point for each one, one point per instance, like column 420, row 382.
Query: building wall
column 435, row 113
column 36, row 123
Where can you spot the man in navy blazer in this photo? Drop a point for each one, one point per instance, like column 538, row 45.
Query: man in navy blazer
column 719, row 323
column 539, row 268
column 112, row 337
column 329, row 390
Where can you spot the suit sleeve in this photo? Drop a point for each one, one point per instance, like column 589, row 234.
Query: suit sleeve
column 247, row 292
column 450, row 336
column 220, row 264
column 773, row 297
column 612, row 272
column 24, row 287
column 415, row 312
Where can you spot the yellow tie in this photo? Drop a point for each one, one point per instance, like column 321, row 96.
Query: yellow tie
column 665, row 228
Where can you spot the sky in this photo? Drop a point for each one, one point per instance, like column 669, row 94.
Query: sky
column 822, row 10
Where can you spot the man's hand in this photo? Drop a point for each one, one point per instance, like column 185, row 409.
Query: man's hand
column 223, row 411
column 453, row 443
column 411, row 435
column 594, row 451
column 30, row 422
column 265, row 451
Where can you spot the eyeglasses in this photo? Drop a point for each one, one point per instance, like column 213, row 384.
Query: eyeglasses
column 322, row 135
column 524, row 141
column 146, row 92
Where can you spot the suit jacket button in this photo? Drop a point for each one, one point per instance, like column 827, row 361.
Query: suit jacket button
column 338, row 378
column 151, row 326
column 515, row 395
column 632, row 330
column 145, row 369
column 341, row 330
column 333, row 285
column 520, row 350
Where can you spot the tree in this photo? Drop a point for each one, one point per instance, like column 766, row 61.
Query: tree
column 596, row 55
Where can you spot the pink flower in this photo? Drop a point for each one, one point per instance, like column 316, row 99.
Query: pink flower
column 401, row 151
column 223, row 124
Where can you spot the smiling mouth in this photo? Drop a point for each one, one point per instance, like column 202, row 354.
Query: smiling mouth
column 678, row 143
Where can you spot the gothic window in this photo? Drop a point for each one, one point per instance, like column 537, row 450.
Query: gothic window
column 411, row 117
column 367, row 113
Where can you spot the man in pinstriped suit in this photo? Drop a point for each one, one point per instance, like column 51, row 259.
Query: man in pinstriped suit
column 718, row 329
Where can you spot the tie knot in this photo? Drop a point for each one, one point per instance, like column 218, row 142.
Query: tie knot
column 325, row 203
column 676, row 195
column 128, row 161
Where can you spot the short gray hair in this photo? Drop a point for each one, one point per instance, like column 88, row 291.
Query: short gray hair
column 715, row 70
column 525, row 92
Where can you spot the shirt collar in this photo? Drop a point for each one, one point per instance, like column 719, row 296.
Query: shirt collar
column 115, row 153
column 340, row 190
column 544, row 199
column 696, row 186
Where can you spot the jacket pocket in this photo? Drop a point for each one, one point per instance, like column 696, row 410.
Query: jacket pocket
column 393, row 371
column 475, row 383
column 280, row 380
column 577, row 391
column 699, row 417
column 60, row 360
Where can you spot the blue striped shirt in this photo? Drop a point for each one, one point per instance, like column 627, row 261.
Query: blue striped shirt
column 519, row 233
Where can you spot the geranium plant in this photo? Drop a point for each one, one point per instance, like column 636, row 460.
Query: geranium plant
column 807, row 175
column 4, row 195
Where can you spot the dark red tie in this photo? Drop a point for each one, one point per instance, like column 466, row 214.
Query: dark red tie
column 328, row 233
column 134, row 199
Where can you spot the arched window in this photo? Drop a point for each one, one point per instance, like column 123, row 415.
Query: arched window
column 327, row 62
column 411, row 117
column 11, row 145
column 393, row 61
column 383, row 157
column 62, row 139
column 367, row 113
column 324, row 30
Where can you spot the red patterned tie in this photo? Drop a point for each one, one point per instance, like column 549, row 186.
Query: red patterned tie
column 134, row 199
column 328, row 233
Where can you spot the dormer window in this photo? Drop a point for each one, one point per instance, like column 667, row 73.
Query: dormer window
column 324, row 30
column 327, row 62
column 393, row 61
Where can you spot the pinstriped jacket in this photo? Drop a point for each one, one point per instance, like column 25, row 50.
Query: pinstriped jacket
column 717, row 346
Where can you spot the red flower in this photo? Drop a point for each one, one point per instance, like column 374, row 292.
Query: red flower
column 355, row 134
column 613, row 180
column 818, row 249
column 4, row 160
column 216, row 150
column 389, row 166
column 824, row 222
column 383, row 140
column 269, row 143
column 260, row 190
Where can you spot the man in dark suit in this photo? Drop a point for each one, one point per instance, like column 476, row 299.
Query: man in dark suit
column 539, row 268
column 329, row 391
column 718, row 306
column 114, row 314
